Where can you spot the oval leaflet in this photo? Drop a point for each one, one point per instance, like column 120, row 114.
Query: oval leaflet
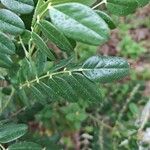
column 19, row 6
column 10, row 22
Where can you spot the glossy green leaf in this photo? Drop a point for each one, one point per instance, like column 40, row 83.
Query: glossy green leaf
column 107, row 19
column 142, row 3
column 105, row 69
column 122, row 7
column 80, row 23
column 11, row 132
column 10, row 22
column 85, row 2
column 5, row 61
column 25, row 146
column 51, row 32
column 6, row 45
column 42, row 46
column 19, row 6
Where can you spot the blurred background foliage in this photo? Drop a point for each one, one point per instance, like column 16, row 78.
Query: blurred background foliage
column 118, row 121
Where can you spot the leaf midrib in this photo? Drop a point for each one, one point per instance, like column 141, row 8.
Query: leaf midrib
column 50, row 75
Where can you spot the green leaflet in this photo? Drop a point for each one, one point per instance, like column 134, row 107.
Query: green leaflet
column 6, row 45
column 11, row 132
column 88, row 88
column 42, row 46
column 71, row 84
column 62, row 64
column 19, row 6
column 25, row 146
column 85, row 2
column 143, row 2
column 107, row 19
column 10, row 22
column 105, row 69
column 67, row 87
column 80, row 23
column 40, row 62
column 122, row 7
column 40, row 7
column 5, row 61
column 48, row 91
column 39, row 95
column 51, row 32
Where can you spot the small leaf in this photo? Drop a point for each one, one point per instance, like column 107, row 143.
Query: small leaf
column 6, row 45
column 85, row 2
column 107, row 19
column 80, row 23
column 42, row 46
column 10, row 22
column 25, row 146
column 19, row 6
column 105, row 69
column 95, row 95
column 122, row 7
column 5, row 61
column 23, row 97
column 62, row 64
column 51, row 32
column 11, row 132
column 83, row 87
column 134, row 109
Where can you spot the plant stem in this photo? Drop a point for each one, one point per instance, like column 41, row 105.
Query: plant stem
column 101, row 122
column 133, row 92
column 23, row 46
column 2, row 147
column 102, row 2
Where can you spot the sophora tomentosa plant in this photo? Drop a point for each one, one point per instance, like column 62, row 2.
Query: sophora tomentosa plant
column 36, row 73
